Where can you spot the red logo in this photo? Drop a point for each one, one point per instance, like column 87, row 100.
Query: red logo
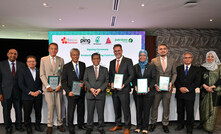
column 108, row 41
column 64, row 40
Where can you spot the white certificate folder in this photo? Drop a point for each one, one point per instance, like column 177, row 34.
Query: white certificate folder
column 118, row 81
column 142, row 85
column 164, row 83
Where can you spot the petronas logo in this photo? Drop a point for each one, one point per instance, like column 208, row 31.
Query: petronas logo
column 97, row 40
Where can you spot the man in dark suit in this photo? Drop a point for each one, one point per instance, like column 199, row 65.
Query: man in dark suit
column 10, row 93
column 30, row 83
column 121, row 97
column 165, row 66
column 188, row 79
column 74, row 71
column 96, row 79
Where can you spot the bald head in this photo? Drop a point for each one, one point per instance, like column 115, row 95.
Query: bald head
column 12, row 54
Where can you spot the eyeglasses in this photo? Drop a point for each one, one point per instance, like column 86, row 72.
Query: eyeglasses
column 187, row 57
column 31, row 61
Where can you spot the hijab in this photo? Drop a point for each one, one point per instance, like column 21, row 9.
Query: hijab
column 214, row 65
column 143, row 64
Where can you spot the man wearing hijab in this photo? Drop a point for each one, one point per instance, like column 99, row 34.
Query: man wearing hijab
column 188, row 79
column 210, row 91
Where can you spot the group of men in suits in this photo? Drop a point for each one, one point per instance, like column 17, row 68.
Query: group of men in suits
column 15, row 77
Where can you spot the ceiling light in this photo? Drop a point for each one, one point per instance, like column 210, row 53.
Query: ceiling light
column 132, row 21
column 60, row 19
column 3, row 25
column 210, row 20
column 190, row 4
column 45, row 5
column 142, row 5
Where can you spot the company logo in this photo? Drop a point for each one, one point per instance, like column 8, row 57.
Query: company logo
column 108, row 41
column 85, row 41
column 130, row 40
column 97, row 41
column 65, row 40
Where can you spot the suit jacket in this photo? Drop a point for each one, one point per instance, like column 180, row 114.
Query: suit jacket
column 46, row 69
column 191, row 81
column 9, row 82
column 125, row 68
column 170, row 69
column 149, row 73
column 28, row 84
column 91, row 82
column 69, row 75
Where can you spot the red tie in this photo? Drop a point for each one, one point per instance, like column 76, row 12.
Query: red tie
column 117, row 66
column 13, row 69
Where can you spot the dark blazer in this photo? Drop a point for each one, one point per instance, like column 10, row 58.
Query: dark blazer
column 69, row 75
column 125, row 68
column 8, row 82
column 27, row 83
column 191, row 82
column 149, row 73
column 91, row 82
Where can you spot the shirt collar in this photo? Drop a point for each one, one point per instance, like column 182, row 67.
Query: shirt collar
column 11, row 62
column 31, row 69
column 120, row 58
column 75, row 63
column 187, row 65
column 51, row 57
column 165, row 58
column 98, row 66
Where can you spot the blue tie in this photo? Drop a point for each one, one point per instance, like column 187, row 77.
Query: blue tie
column 76, row 67
column 186, row 70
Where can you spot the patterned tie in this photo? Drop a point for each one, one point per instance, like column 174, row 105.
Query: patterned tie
column 186, row 70
column 95, row 71
column 76, row 69
column 53, row 64
column 13, row 69
column 117, row 66
column 163, row 64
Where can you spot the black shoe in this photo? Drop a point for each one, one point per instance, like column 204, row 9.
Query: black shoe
column 165, row 129
column 82, row 127
column 102, row 131
column 210, row 132
column 200, row 126
column 89, row 130
column 190, row 132
column 29, row 130
column 9, row 131
column 20, row 129
column 38, row 128
column 152, row 127
column 179, row 127
column 71, row 131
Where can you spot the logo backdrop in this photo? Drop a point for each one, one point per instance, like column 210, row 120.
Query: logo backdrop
column 89, row 42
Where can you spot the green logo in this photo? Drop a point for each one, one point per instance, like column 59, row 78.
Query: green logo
column 97, row 40
column 130, row 40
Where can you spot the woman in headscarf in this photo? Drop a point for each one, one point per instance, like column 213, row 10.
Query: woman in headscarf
column 144, row 70
column 210, row 91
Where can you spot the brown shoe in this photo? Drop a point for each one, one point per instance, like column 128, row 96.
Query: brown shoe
column 126, row 131
column 49, row 130
column 115, row 128
column 61, row 128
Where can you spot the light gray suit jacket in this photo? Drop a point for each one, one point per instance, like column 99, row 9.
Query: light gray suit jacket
column 91, row 82
column 170, row 69
column 46, row 70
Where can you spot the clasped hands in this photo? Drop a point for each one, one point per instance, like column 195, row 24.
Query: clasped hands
column 35, row 94
column 209, row 88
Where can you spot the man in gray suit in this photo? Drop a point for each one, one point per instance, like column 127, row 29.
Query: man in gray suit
column 96, row 80
column 10, row 93
column 52, row 65
column 165, row 66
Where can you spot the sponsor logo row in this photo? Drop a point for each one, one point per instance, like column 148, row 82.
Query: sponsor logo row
column 85, row 41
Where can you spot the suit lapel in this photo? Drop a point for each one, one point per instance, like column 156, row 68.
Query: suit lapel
column 159, row 61
column 30, row 75
column 122, row 62
column 8, row 69
column 182, row 71
column 189, row 71
column 49, row 61
column 73, row 70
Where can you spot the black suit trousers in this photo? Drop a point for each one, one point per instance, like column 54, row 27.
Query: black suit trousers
column 72, row 102
column 187, row 106
column 27, row 107
column 122, row 100
column 7, row 106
